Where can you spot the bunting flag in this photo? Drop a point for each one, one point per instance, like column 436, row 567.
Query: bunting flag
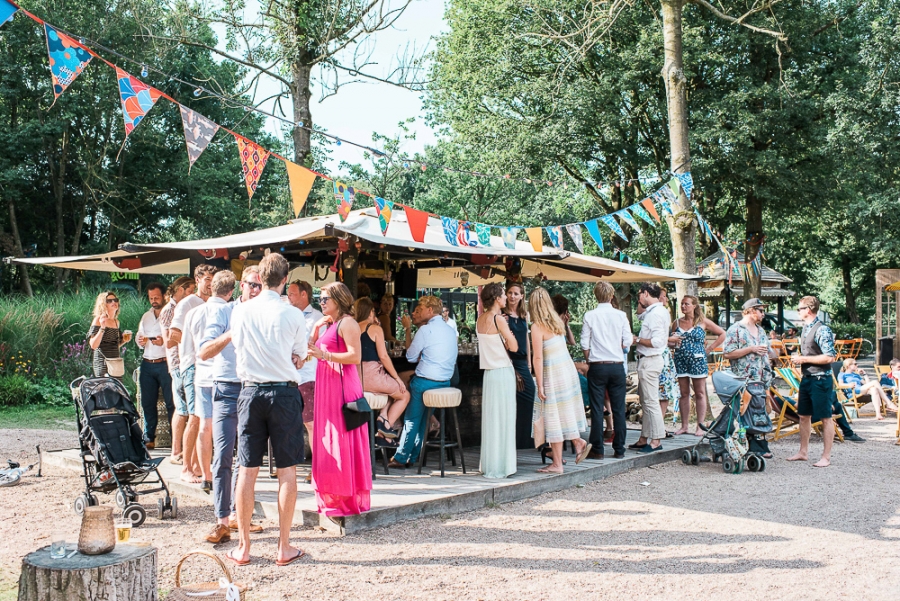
column 627, row 218
column 137, row 100
column 642, row 214
column 198, row 133
column 535, row 237
column 593, row 229
column 610, row 221
column 451, row 229
column 671, row 189
column 465, row 234
column 418, row 223
column 554, row 232
column 647, row 203
column 301, row 181
column 68, row 58
column 483, row 233
column 7, row 10
column 687, row 183
column 384, row 208
column 508, row 234
column 574, row 230
column 344, row 196
column 253, row 161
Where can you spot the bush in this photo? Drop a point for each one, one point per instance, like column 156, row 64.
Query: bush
column 14, row 390
column 847, row 331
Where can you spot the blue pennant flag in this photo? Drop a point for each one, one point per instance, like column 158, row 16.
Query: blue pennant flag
column 641, row 212
column 451, row 228
column 7, row 10
column 508, row 234
column 483, row 232
column 594, row 230
column 627, row 218
column 554, row 232
column 574, row 230
column 610, row 221
column 687, row 183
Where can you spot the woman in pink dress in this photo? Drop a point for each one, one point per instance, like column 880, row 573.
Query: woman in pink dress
column 341, row 468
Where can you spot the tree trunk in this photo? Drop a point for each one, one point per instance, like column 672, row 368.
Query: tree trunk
column 849, row 297
column 754, row 233
column 58, row 180
column 681, row 225
column 300, row 96
column 25, row 281
column 126, row 573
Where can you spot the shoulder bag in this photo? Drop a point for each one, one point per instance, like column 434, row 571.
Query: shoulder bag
column 356, row 413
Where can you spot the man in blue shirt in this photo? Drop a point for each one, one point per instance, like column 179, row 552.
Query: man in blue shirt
column 434, row 349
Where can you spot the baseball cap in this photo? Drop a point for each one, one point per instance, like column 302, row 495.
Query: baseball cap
column 753, row 302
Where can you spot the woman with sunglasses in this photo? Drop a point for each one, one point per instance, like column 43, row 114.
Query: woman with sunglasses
column 104, row 336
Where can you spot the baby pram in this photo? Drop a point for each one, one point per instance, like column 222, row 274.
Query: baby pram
column 734, row 436
column 113, row 454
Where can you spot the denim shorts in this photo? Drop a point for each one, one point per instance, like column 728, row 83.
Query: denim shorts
column 203, row 405
column 190, row 391
column 181, row 407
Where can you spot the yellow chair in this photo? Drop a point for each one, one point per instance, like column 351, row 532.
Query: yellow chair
column 787, row 422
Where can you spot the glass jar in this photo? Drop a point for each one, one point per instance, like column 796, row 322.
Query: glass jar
column 98, row 534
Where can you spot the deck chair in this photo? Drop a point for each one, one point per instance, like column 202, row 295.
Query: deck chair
column 882, row 370
column 846, row 393
column 787, row 420
column 783, row 358
column 790, row 378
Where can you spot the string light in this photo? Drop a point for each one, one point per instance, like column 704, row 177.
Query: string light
column 197, row 92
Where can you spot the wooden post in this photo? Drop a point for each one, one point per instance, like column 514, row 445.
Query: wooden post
column 128, row 572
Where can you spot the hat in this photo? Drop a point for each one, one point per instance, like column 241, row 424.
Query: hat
column 753, row 302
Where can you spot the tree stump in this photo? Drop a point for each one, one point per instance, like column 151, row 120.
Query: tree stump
column 127, row 573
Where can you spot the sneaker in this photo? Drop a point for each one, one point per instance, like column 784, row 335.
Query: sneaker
column 855, row 438
column 219, row 534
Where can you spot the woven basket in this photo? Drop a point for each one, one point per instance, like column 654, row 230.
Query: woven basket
column 209, row 591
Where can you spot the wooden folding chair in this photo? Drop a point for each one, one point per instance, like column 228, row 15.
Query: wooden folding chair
column 783, row 358
column 790, row 378
column 787, row 422
column 843, row 349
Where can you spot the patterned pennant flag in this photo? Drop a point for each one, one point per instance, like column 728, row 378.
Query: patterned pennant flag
column 610, row 221
column 451, row 229
column 344, row 196
column 483, row 232
column 647, row 203
column 300, row 180
column 687, row 183
column 418, row 223
column 68, row 58
column 137, row 100
column 574, row 230
column 627, row 218
column 7, row 10
column 253, row 161
column 671, row 189
column 555, row 234
column 508, row 234
column 593, row 229
column 535, row 237
column 198, row 133
column 384, row 208
column 465, row 234
column 641, row 213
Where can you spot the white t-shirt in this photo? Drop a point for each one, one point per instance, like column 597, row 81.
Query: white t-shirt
column 266, row 332
column 186, row 350
column 148, row 327
column 308, row 372
column 196, row 323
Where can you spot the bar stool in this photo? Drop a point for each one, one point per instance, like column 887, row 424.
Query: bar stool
column 377, row 402
column 443, row 399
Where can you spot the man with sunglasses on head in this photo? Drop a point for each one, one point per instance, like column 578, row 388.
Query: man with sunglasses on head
column 815, row 397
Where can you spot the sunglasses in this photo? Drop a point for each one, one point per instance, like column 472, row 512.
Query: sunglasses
column 110, row 301
column 324, row 299
column 801, row 307
column 254, row 285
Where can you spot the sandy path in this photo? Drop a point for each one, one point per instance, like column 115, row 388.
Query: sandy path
column 793, row 532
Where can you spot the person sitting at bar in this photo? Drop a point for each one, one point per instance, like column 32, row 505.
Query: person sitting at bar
column 385, row 308
column 434, row 350
column 378, row 373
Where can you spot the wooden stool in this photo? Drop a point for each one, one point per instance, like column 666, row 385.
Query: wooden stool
column 443, row 399
column 377, row 402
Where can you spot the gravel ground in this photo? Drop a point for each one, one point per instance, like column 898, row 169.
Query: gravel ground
column 793, row 532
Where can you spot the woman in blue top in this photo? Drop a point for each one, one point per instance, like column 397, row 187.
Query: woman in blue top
column 853, row 375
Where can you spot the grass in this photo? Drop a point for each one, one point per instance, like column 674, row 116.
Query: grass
column 38, row 417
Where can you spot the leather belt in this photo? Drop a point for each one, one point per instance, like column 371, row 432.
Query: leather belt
column 269, row 384
column 160, row 360
column 604, row 363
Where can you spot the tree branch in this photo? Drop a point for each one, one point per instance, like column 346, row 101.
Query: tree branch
column 780, row 36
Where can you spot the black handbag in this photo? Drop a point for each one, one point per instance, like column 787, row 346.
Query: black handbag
column 356, row 413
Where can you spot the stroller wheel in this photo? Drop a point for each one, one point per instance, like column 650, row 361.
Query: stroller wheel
column 686, row 457
column 695, row 457
column 174, row 508
column 728, row 465
column 716, row 458
column 94, row 501
column 136, row 513
column 762, row 464
column 160, row 509
column 81, row 501
column 753, row 463
column 121, row 499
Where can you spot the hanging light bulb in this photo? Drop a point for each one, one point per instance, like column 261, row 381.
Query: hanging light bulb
column 144, row 71
column 337, row 141
column 464, row 279
column 349, row 261
column 299, row 123
column 424, row 167
column 405, row 165
column 197, row 92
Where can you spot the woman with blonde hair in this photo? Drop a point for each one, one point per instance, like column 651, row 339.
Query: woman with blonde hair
column 104, row 337
column 378, row 373
column 558, row 408
column 853, row 376
column 341, row 468
column 691, row 369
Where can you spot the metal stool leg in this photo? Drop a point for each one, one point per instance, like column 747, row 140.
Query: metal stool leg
column 424, row 450
column 372, row 441
column 462, row 456
column 441, row 448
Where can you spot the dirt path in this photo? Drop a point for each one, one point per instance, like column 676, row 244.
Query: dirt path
column 793, row 532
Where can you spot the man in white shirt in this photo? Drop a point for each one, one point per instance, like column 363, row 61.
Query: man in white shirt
column 449, row 320
column 180, row 289
column 154, row 369
column 300, row 295
column 605, row 333
column 651, row 342
column 203, row 275
column 269, row 337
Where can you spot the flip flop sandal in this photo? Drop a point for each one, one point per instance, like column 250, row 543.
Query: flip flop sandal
column 584, row 453
column 235, row 561
column 179, row 460
column 300, row 553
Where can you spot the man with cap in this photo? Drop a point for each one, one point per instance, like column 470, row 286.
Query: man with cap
column 815, row 397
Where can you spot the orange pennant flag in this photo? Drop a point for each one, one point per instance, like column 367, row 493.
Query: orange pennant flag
column 647, row 203
column 301, row 181
column 418, row 223
column 536, row 238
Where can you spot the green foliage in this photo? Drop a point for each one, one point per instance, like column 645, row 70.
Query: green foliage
column 14, row 390
column 848, row 331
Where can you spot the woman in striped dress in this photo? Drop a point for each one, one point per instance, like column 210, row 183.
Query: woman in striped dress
column 558, row 406
column 104, row 336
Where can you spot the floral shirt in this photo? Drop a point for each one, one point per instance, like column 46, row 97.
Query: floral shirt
column 753, row 367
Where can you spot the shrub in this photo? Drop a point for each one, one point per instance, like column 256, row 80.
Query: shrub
column 15, row 390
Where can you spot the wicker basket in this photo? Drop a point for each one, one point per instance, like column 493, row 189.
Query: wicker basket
column 208, row 591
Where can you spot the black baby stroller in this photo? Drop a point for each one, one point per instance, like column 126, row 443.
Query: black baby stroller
column 735, row 437
column 112, row 450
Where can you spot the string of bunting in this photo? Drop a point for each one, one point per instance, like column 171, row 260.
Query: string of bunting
column 732, row 265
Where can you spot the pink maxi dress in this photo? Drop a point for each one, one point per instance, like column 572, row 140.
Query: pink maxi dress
column 341, row 466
